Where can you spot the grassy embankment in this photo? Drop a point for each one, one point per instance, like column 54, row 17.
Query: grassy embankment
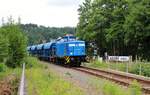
column 9, row 80
column 109, row 88
column 135, row 68
column 41, row 81
column 5, row 71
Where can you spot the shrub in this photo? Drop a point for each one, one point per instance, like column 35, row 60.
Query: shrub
column 2, row 67
column 146, row 69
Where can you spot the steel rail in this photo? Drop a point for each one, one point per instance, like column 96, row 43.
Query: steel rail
column 22, row 82
column 122, row 79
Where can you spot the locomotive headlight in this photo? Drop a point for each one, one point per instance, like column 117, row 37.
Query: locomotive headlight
column 71, row 53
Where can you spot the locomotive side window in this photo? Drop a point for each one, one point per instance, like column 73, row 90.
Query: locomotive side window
column 81, row 44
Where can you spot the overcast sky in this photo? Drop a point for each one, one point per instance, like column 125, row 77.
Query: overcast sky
column 58, row 13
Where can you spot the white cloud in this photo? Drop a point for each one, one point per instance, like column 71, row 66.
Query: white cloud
column 57, row 13
column 64, row 3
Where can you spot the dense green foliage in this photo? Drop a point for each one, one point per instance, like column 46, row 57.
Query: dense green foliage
column 40, row 34
column 13, row 44
column 2, row 67
column 3, row 47
column 120, row 27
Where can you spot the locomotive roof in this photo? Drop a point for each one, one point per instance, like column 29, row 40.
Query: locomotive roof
column 78, row 41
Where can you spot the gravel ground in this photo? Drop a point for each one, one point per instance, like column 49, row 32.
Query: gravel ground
column 77, row 78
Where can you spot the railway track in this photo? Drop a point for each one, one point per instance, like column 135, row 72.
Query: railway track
column 123, row 79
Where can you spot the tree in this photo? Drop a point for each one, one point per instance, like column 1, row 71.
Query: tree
column 3, row 47
column 137, row 27
column 85, row 11
column 115, row 32
column 104, row 18
column 120, row 27
column 39, row 34
column 17, row 44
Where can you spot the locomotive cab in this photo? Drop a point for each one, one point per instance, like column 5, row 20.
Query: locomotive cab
column 67, row 38
column 71, row 49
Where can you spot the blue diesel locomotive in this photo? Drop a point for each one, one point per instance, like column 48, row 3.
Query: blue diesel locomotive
column 66, row 50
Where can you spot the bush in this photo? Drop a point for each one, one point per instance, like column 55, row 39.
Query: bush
column 2, row 67
column 146, row 69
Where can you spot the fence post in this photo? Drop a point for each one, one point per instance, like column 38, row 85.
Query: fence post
column 140, row 69
column 127, row 67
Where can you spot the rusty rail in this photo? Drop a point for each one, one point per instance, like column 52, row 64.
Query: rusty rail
column 123, row 79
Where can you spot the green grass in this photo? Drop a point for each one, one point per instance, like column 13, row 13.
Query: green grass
column 132, row 67
column 31, row 62
column 110, row 88
column 11, row 78
column 135, row 88
column 41, row 81
column 5, row 72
